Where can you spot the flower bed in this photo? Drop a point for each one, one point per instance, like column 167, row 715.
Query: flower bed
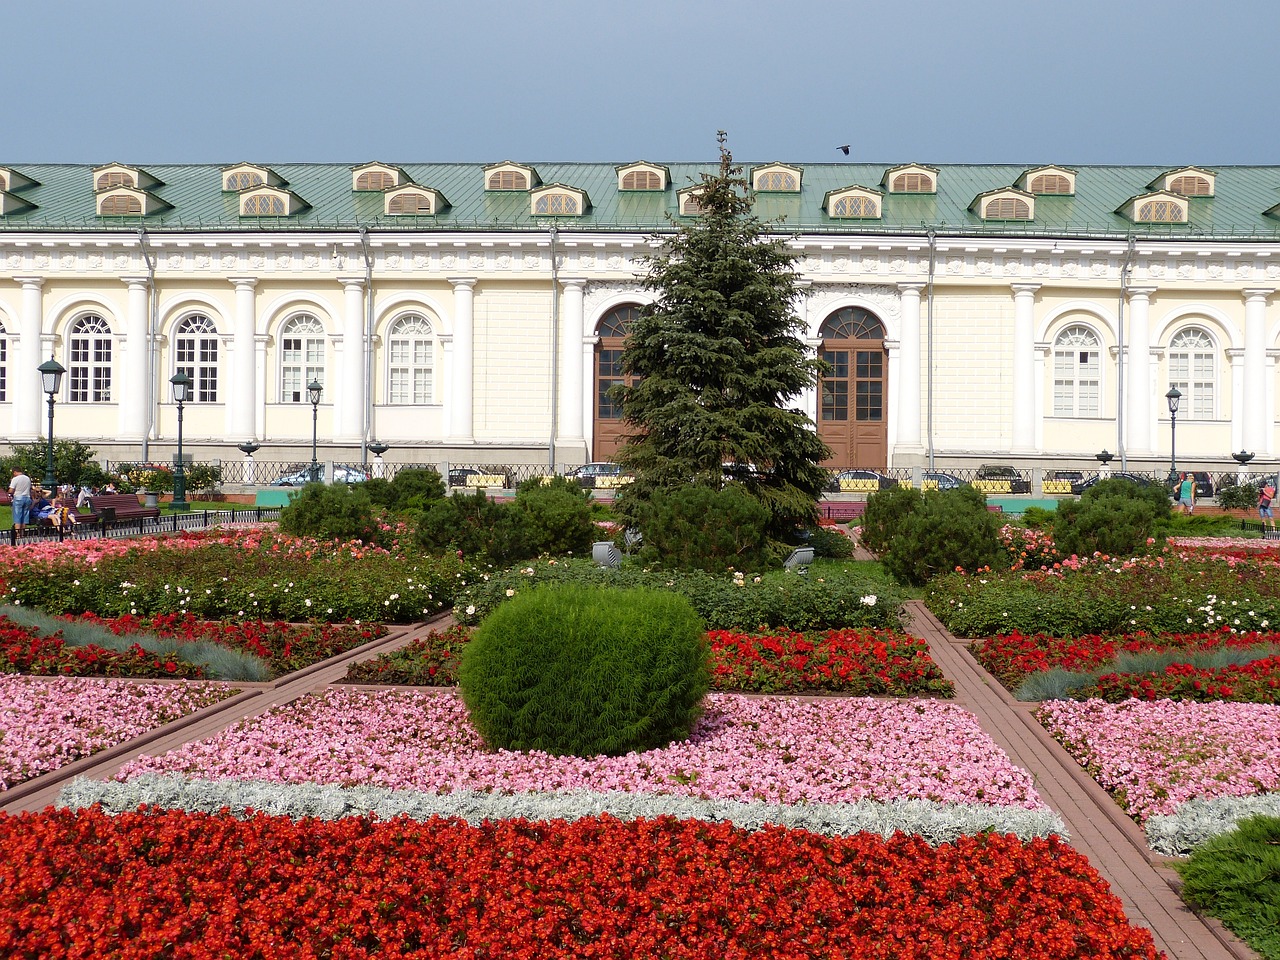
column 859, row 662
column 47, row 723
column 744, row 748
column 1153, row 756
column 142, row 885
column 284, row 647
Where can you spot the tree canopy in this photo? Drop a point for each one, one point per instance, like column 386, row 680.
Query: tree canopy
column 715, row 362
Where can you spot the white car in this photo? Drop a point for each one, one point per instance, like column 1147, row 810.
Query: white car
column 340, row 475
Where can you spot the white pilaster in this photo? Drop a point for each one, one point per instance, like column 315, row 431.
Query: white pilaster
column 1024, row 366
column 25, row 386
column 133, row 399
column 242, row 416
column 1139, row 425
column 571, row 332
column 908, row 393
column 349, row 418
column 460, row 424
column 1239, row 361
column 1255, row 418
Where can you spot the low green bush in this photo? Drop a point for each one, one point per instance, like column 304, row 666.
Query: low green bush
column 555, row 517
column 1236, row 878
column 1115, row 517
column 945, row 530
column 694, row 527
column 1238, row 496
column 830, row 543
column 575, row 670
column 330, row 512
column 886, row 509
column 474, row 525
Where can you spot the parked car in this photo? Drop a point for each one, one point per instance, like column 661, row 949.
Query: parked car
column 341, row 474
column 941, row 481
column 601, row 473
column 859, row 481
column 459, row 476
column 1083, row 485
column 998, row 473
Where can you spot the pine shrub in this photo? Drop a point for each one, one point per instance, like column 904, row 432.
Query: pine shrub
column 575, row 670
column 1115, row 517
column 698, row 528
column 555, row 517
column 830, row 543
column 337, row 512
column 886, row 509
column 949, row 529
column 1236, row 878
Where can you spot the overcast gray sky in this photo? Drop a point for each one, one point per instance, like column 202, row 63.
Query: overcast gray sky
column 1085, row 81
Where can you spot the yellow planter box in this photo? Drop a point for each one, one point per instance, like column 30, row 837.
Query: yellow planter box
column 859, row 486
column 608, row 482
column 1057, row 486
column 993, row 486
column 486, row 480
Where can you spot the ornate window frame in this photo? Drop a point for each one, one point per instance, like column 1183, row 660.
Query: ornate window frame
column 510, row 177
column 246, row 176
column 90, row 356
column 197, row 350
column 656, row 178
column 303, row 361
column 854, row 202
column 375, row 177
column 687, row 201
column 1193, row 369
column 1186, row 182
column 1049, row 181
column 558, row 200
column 1005, row 204
column 425, row 202
column 111, row 175
column 1162, row 206
column 911, row 178
column 267, row 201
column 127, row 202
column 776, row 177
column 411, row 359
column 1077, row 371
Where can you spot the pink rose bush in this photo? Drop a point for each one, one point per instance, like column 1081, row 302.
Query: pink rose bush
column 779, row 750
column 47, row 722
column 1155, row 755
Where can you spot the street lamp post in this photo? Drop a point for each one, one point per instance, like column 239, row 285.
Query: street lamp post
column 51, row 372
column 314, row 389
column 1174, row 396
column 181, row 394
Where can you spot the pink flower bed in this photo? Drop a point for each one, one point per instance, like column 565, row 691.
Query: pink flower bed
column 46, row 722
column 744, row 748
column 1155, row 755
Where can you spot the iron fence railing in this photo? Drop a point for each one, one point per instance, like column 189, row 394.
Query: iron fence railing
column 142, row 526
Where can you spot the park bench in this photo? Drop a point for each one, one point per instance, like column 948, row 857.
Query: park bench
column 116, row 507
column 73, row 514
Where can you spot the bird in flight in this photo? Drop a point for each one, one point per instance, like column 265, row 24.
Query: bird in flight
column 844, row 148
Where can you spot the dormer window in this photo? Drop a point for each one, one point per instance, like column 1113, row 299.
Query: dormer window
column 118, row 175
column 265, row 201
column 1186, row 182
column 558, row 200
column 1160, row 207
column 12, row 203
column 1048, row 182
column 853, row 203
column 688, row 199
column 128, row 202
column 911, row 178
column 776, row 178
column 377, row 176
column 509, row 176
column 244, row 176
column 1004, row 204
column 414, row 201
column 11, row 180
column 642, row 177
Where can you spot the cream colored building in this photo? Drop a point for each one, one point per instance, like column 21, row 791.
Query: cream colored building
column 465, row 313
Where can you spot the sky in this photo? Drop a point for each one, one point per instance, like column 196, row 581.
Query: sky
column 985, row 81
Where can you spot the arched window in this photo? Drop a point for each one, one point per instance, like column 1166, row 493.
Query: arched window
column 411, row 355
column 301, row 357
column 1007, row 208
column 1191, row 186
column 409, row 202
column 375, row 180
column 913, row 183
column 264, row 205
column 1193, row 370
column 121, row 205
column 89, row 375
column 507, row 180
column 1050, row 183
column 1161, row 211
column 1077, row 373
column 114, row 178
column 777, row 180
column 855, row 206
column 243, row 180
column 642, row 180
column 196, row 354
column 554, row 204
column 612, row 331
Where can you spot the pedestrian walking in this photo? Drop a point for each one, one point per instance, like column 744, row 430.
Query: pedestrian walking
column 20, row 491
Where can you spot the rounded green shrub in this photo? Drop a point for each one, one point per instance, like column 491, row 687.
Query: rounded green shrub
column 830, row 543
column 699, row 528
column 556, row 517
column 949, row 529
column 886, row 509
column 338, row 512
column 577, row 670
column 1114, row 517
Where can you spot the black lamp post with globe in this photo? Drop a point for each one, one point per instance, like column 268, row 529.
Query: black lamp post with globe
column 51, row 372
column 314, row 389
column 181, row 394
column 1174, row 396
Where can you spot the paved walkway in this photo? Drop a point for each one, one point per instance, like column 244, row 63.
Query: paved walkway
column 1099, row 829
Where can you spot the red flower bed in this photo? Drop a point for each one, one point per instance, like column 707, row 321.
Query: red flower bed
column 861, row 662
column 23, row 651
column 171, row 884
column 1256, row 682
column 285, row 647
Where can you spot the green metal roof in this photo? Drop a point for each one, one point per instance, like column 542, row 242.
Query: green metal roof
column 64, row 201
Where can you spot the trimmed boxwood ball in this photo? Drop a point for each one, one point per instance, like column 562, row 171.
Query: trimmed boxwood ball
column 578, row 670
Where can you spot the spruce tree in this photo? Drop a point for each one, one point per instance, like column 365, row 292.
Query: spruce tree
column 717, row 360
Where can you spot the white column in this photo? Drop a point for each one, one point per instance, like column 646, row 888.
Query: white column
column 571, row 332
column 133, row 400
column 243, row 396
column 1024, row 367
column 349, row 422
column 258, row 410
column 460, row 426
column 1255, row 416
column 1240, row 413
column 25, row 386
column 908, row 393
column 1137, row 378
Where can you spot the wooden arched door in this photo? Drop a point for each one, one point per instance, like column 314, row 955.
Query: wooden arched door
column 609, row 428
column 852, row 419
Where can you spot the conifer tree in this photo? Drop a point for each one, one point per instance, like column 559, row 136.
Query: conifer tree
column 717, row 363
